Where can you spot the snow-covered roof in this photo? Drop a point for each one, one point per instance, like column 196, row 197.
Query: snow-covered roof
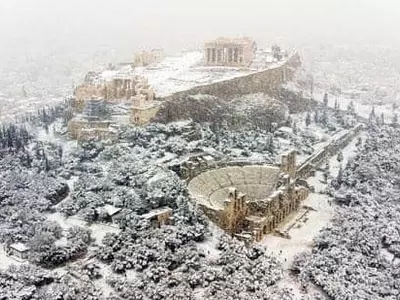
column 20, row 247
column 158, row 177
column 208, row 158
column 155, row 212
column 111, row 209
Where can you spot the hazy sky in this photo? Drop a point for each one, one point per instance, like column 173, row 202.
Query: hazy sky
column 185, row 23
column 53, row 43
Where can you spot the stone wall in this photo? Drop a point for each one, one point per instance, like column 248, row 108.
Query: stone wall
column 288, row 163
column 143, row 115
column 83, row 130
column 235, row 211
column 267, row 81
column 317, row 158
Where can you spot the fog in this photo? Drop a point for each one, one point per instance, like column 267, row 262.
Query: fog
column 63, row 39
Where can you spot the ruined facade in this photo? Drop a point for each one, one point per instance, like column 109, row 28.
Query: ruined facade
column 90, row 123
column 235, row 52
column 252, row 200
column 145, row 58
column 158, row 217
column 144, row 108
column 288, row 163
column 113, row 91
column 83, row 130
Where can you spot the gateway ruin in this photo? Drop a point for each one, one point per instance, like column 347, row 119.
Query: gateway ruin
column 252, row 200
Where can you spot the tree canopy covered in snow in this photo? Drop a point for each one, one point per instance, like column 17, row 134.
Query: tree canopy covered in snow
column 358, row 256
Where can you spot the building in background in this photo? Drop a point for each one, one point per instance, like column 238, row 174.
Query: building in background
column 145, row 58
column 230, row 52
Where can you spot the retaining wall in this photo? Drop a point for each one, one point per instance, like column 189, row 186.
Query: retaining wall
column 330, row 149
column 267, row 81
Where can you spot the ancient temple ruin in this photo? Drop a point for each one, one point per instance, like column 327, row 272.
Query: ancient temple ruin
column 230, row 52
column 145, row 58
column 252, row 200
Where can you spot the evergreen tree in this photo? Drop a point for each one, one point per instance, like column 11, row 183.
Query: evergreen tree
column 324, row 118
column 271, row 146
column 340, row 156
column 60, row 152
column 289, row 121
column 382, row 118
column 326, row 171
column 46, row 163
column 316, row 117
column 28, row 160
column 308, row 119
column 326, row 99
column 395, row 120
column 359, row 142
column 350, row 108
column 294, row 128
column 372, row 116
column 339, row 178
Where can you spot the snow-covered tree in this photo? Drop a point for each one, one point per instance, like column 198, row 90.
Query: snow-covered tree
column 308, row 119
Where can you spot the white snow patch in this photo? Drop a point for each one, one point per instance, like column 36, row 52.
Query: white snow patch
column 100, row 230
column 6, row 261
column 209, row 246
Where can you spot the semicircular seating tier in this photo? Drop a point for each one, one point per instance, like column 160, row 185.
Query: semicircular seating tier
column 211, row 188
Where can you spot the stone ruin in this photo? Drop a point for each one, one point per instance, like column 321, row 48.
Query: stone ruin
column 249, row 201
column 230, row 52
column 89, row 123
column 92, row 123
column 158, row 217
column 145, row 58
column 113, row 91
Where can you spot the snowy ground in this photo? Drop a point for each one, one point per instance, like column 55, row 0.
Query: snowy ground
column 179, row 73
column 309, row 222
column 209, row 246
column 99, row 230
column 363, row 110
column 6, row 261
column 12, row 107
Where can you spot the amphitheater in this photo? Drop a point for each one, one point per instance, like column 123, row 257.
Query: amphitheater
column 249, row 201
column 211, row 188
